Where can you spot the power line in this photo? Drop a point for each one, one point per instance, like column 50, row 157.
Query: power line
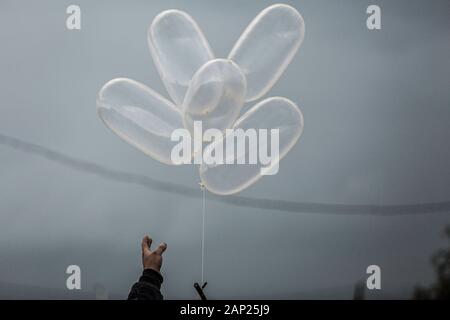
column 235, row 200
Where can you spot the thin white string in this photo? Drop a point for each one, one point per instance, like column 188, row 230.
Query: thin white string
column 203, row 234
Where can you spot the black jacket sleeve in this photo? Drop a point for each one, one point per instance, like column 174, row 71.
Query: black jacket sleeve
column 148, row 287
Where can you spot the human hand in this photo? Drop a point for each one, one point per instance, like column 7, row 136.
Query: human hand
column 152, row 259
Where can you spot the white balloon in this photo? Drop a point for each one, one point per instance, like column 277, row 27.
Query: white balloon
column 273, row 113
column 140, row 116
column 215, row 96
column 178, row 48
column 267, row 46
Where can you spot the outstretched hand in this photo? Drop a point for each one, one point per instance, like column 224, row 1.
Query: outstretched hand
column 152, row 259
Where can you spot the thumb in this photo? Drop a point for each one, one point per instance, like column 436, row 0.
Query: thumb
column 161, row 248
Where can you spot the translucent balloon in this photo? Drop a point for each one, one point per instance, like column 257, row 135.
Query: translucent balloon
column 140, row 116
column 215, row 96
column 267, row 46
column 273, row 113
column 179, row 49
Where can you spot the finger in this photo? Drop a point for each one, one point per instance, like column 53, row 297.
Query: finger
column 146, row 243
column 161, row 248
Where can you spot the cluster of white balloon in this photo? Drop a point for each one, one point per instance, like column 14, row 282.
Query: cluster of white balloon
column 209, row 90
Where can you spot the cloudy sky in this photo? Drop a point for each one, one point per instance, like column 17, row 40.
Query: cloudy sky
column 377, row 127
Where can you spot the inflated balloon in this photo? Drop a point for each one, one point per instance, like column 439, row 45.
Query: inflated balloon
column 212, row 92
column 267, row 46
column 179, row 49
column 215, row 96
column 140, row 116
column 273, row 113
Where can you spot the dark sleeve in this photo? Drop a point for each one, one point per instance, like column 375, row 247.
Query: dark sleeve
column 148, row 287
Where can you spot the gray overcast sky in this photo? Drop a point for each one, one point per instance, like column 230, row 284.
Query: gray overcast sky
column 377, row 127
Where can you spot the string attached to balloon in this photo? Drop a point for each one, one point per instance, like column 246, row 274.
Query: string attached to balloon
column 202, row 186
column 199, row 288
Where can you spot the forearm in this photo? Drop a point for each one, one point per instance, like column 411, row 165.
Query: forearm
column 148, row 287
